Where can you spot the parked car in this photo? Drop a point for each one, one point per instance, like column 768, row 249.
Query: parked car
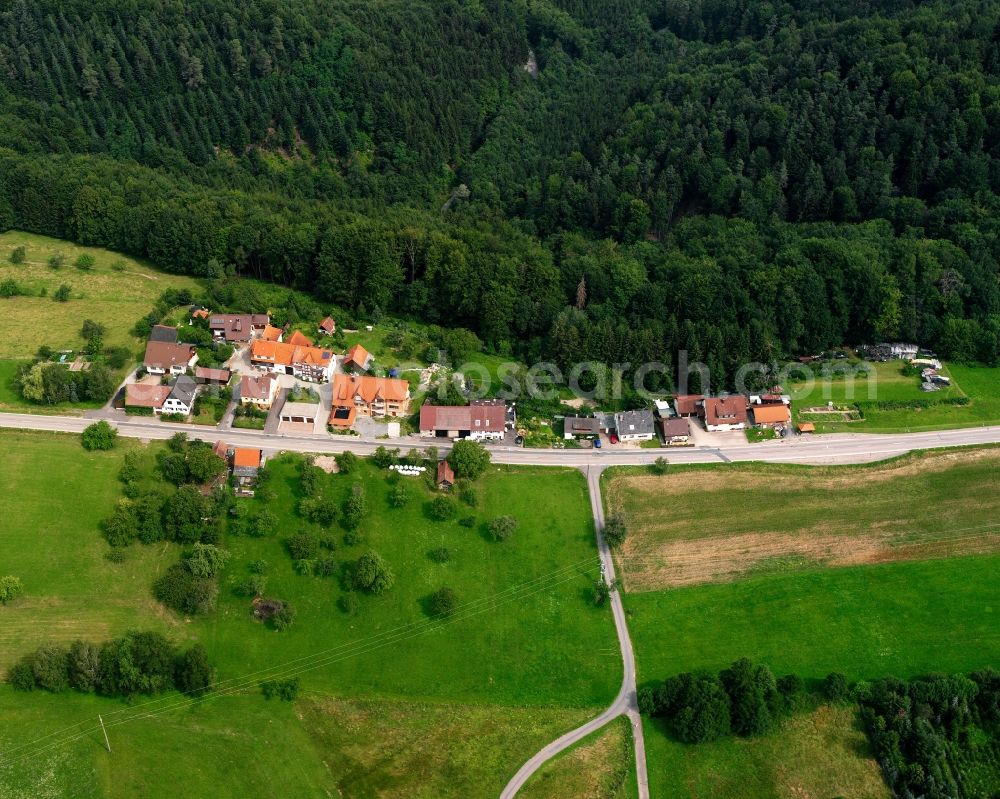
column 613, row 438
column 597, row 443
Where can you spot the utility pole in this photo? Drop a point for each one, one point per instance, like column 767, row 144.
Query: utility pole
column 107, row 743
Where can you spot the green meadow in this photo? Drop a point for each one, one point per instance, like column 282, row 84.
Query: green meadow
column 979, row 384
column 762, row 561
column 392, row 702
column 902, row 619
column 598, row 767
column 822, row 752
column 116, row 299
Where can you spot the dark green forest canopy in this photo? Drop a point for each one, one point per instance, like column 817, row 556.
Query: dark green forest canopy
column 744, row 180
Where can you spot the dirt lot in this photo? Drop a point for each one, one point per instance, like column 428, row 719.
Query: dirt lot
column 700, row 526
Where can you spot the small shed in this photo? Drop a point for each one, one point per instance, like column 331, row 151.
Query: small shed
column 206, row 375
column 445, row 476
column 246, row 464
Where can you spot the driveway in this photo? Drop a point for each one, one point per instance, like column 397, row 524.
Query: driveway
column 700, row 437
column 274, row 415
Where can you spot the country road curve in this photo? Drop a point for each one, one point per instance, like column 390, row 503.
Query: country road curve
column 625, row 702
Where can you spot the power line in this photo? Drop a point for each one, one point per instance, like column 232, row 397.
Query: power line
column 340, row 647
column 234, row 689
column 333, row 655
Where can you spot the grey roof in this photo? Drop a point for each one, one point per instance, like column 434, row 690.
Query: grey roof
column 634, row 423
column 163, row 333
column 309, row 410
column 582, row 425
column 183, row 388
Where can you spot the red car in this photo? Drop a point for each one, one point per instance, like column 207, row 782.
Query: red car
column 613, row 438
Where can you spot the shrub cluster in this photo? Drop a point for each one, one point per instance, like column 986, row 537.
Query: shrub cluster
column 285, row 690
column 136, row 663
column 278, row 614
column 744, row 699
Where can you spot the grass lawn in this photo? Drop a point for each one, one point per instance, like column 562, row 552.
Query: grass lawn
column 56, row 494
column 451, row 710
column 598, row 767
column 901, row 619
column 427, row 749
column 492, row 655
column 210, row 411
column 757, row 434
column 245, row 746
column 981, row 384
column 925, row 505
column 115, row 299
column 249, row 422
column 887, row 383
column 8, row 394
column 817, row 754
column 206, row 416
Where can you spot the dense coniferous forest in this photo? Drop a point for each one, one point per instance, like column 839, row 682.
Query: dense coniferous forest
column 572, row 179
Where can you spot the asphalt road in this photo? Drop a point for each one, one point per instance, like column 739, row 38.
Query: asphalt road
column 838, row 448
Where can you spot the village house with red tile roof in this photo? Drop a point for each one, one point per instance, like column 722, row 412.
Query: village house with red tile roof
column 366, row 395
column 163, row 357
column 305, row 362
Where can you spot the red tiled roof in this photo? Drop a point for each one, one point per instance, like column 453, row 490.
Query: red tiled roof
column 369, row 388
column 687, row 404
column 237, row 327
column 771, row 414
column 674, row 427
column 358, row 355
column 299, row 339
column 328, row 325
column 144, row 395
column 246, row 458
column 725, row 410
column 256, row 387
column 445, row 474
column 206, row 373
column 163, row 355
column 271, row 333
column 488, row 418
column 286, row 354
column 342, row 415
